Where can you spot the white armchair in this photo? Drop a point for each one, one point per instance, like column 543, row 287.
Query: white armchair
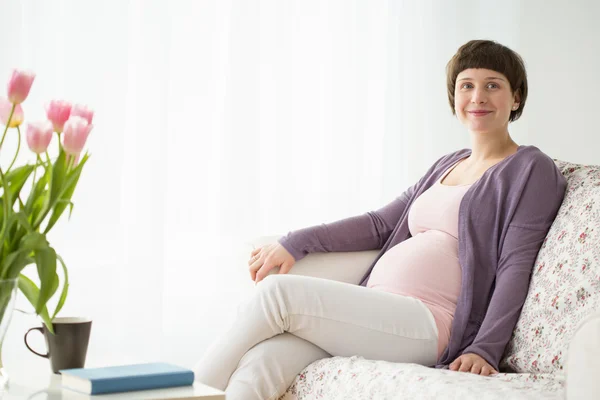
column 580, row 380
column 555, row 347
column 583, row 365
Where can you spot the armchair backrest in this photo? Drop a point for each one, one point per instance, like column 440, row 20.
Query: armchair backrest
column 565, row 282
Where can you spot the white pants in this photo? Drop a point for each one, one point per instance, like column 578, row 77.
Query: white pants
column 257, row 359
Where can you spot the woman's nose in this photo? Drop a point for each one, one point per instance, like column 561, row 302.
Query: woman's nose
column 479, row 96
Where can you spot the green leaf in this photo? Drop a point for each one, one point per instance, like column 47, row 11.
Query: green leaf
column 16, row 179
column 65, row 290
column 15, row 262
column 12, row 231
column 18, row 230
column 65, row 196
column 71, row 205
column 5, row 204
column 46, row 266
column 34, row 241
column 31, row 292
column 38, row 205
column 1, row 210
column 41, row 203
column 5, row 239
column 37, row 190
column 11, row 220
column 57, row 180
column 59, row 171
column 22, row 218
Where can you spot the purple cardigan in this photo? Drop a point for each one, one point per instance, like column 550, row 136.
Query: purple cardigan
column 503, row 220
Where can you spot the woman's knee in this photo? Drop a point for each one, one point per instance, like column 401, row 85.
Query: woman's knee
column 271, row 366
column 273, row 282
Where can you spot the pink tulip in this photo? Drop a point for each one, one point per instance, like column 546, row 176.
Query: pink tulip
column 19, row 86
column 39, row 135
column 58, row 112
column 82, row 111
column 76, row 133
column 17, row 117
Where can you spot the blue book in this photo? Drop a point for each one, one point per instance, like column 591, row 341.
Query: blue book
column 126, row 378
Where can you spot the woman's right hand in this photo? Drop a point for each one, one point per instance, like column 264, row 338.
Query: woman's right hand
column 267, row 257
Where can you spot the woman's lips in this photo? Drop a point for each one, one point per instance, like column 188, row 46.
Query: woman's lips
column 479, row 113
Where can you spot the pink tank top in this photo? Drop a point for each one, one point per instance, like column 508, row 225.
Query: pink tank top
column 426, row 265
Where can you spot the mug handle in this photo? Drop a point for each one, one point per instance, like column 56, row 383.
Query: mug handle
column 47, row 355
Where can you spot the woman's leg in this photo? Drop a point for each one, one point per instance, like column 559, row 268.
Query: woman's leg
column 341, row 318
column 269, row 368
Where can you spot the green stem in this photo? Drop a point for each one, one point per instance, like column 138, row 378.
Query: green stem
column 60, row 147
column 12, row 110
column 70, row 163
column 33, row 223
column 6, row 201
column 37, row 161
column 4, row 183
column 17, row 153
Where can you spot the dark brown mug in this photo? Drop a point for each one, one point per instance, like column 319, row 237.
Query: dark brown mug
column 67, row 347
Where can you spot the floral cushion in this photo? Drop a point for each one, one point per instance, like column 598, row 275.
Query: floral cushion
column 347, row 378
column 565, row 283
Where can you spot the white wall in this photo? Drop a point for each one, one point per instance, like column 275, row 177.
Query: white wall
column 561, row 43
column 221, row 120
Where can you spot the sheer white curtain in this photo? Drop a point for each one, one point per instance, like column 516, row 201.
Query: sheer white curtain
column 219, row 120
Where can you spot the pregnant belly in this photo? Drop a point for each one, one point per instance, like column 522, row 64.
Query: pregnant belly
column 425, row 266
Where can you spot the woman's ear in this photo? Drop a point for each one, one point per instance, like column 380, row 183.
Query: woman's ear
column 517, row 98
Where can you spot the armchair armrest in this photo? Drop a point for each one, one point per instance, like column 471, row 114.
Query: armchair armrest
column 347, row 267
column 583, row 360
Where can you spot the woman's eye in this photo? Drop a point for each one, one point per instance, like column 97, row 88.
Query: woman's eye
column 468, row 85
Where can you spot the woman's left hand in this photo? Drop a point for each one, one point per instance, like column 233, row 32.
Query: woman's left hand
column 473, row 363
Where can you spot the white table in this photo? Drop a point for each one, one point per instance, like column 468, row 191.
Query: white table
column 51, row 389
column 32, row 378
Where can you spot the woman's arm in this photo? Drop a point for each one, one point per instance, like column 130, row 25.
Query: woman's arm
column 368, row 231
column 363, row 232
column 535, row 212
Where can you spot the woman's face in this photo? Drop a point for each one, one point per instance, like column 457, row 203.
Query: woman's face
column 483, row 100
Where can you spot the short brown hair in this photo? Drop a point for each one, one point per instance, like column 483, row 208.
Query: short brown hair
column 489, row 54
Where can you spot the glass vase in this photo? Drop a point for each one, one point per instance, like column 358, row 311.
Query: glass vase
column 8, row 295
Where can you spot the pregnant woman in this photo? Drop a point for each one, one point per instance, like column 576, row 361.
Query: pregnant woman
column 456, row 253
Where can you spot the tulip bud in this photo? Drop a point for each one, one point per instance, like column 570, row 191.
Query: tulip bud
column 75, row 135
column 19, row 86
column 5, row 108
column 58, row 112
column 80, row 110
column 38, row 136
